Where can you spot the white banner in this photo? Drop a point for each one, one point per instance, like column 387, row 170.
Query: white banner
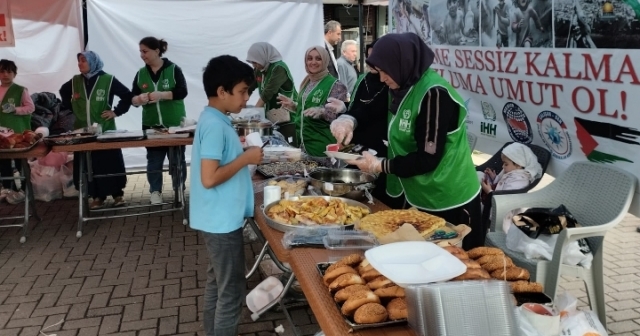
column 540, row 71
column 6, row 25
column 197, row 31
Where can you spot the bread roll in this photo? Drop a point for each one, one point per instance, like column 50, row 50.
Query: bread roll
column 473, row 274
column 457, row 252
column 345, row 280
column 491, row 258
column 370, row 313
column 357, row 300
column 351, row 260
column 335, row 273
column 379, row 282
column 345, row 293
column 482, row 251
column 500, row 263
column 397, row 309
column 370, row 274
column 364, row 266
column 471, row 264
column 390, row 292
column 525, row 287
column 511, row 274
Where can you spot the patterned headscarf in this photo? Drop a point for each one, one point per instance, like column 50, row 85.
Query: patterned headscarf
column 314, row 77
column 95, row 63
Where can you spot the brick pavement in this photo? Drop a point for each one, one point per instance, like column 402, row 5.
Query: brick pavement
column 145, row 275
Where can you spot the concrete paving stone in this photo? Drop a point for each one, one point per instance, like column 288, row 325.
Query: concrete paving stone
column 623, row 326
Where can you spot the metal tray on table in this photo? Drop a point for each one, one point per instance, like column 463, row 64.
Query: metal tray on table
column 287, row 227
column 322, row 267
column 70, row 139
column 20, row 150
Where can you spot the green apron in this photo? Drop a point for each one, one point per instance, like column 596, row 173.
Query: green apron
column 165, row 112
column 88, row 106
column 314, row 134
column 454, row 182
column 18, row 123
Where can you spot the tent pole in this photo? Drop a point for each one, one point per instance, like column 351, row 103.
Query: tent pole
column 85, row 25
column 361, row 34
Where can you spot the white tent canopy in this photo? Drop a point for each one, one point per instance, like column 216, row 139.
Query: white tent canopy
column 48, row 39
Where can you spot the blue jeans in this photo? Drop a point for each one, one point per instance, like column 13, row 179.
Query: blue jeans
column 226, row 284
column 155, row 163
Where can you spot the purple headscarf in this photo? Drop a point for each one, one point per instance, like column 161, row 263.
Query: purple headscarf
column 405, row 58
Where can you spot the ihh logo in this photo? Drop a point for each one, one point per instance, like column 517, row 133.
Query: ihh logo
column 488, row 129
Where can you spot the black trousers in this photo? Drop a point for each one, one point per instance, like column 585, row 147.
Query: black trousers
column 104, row 162
column 7, row 171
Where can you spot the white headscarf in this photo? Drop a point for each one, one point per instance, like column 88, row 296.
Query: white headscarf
column 523, row 156
column 264, row 54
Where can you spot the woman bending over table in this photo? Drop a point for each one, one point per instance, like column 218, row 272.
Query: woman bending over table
column 160, row 88
column 429, row 161
column 90, row 96
column 273, row 77
column 320, row 101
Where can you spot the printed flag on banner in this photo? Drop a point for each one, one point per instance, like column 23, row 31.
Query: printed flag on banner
column 6, row 28
column 592, row 135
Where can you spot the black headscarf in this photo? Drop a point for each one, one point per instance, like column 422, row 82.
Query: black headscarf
column 405, row 58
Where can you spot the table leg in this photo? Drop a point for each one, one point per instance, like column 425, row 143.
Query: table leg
column 175, row 170
column 284, row 308
column 81, row 191
column 29, row 188
column 264, row 250
column 27, row 200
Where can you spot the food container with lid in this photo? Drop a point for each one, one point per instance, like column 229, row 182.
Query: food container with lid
column 246, row 127
column 342, row 243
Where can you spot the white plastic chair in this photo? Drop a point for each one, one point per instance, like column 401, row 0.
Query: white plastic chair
column 472, row 138
column 599, row 197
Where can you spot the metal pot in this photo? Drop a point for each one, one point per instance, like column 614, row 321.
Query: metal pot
column 246, row 127
column 349, row 183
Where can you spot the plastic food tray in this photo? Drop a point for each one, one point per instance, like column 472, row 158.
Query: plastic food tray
column 322, row 267
column 19, row 150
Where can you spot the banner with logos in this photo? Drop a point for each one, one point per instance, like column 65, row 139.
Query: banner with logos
column 6, row 27
column 564, row 74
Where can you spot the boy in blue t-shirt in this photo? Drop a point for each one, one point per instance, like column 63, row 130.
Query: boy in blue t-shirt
column 222, row 192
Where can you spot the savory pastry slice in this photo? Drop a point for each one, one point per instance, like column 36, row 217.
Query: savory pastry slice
column 345, row 293
column 370, row 313
column 390, row 292
column 370, row 274
column 345, row 280
column 335, row 273
column 380, row 282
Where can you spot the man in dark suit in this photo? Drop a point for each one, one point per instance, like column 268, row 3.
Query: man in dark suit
column 332, row 36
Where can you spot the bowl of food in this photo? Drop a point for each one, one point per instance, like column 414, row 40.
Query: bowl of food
column 342, row 182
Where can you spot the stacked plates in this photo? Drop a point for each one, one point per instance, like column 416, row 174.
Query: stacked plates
column 462, row 308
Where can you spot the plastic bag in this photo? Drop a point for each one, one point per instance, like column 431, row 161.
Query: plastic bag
column 46, row 182
column 577, row 323
column 53, row 159
column 526, row 328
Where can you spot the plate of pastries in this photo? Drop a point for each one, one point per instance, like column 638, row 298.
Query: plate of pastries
column 365, row 297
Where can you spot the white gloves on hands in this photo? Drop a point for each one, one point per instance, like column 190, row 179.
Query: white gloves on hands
column 141, row 99
column 8, row 108
column 314, row 112
column 342, row 130
column 369, row 163
column 287, row 103
column 336, row 105
column 156, row 96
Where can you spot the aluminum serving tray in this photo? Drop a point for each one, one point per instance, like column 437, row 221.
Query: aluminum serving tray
column 20, row 150
column 286, row 227
column 70, row 139
column 322, row 267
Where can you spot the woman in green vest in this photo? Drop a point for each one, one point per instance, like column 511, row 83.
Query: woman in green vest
column 160, row 88
column 320, row 101
column 90, row 96
column 428, row 161
column 273, row 77
column 16, row 107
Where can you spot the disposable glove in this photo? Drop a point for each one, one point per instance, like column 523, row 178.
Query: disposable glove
column 342, row 130
column 141, row 99
column 314, row 112
column 287, row 102
column 336, row 105
column 369, row 163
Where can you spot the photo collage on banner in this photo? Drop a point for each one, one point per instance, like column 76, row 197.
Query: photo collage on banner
column 562, row 74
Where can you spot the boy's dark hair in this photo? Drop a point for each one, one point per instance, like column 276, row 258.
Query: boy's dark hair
column 153, row 43
column 8, row 65
column 226, row 71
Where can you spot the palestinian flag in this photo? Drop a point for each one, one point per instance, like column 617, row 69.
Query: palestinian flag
column 635, row 5
column 598, row 138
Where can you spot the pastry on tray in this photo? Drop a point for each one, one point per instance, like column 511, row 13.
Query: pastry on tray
column 385, row 222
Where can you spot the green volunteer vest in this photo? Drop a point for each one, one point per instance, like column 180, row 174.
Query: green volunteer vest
column 314, row 134
column 18, row 123
column 264, row 78
column 88, row 107
column 165, row 112
column 454, row 182
column 355, row 89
